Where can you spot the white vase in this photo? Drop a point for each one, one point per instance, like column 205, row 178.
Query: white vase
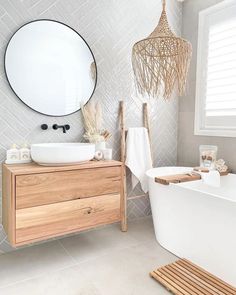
column 107, row 154
column 100, row 145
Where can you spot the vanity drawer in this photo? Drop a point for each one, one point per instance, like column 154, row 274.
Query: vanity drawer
column 47, row 188
column 46, row 221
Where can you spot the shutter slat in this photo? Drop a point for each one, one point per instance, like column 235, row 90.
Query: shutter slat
column 221, row 67
column 221, row 52
column 216, row 78
column 221, row 113
column 220, row 95
column 220, row 105
column 209, row 100
column 221, row 43
column 222, row 62
column 226, row 33
column 217, row 29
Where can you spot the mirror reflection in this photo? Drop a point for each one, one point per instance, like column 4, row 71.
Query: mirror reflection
column 50, row 67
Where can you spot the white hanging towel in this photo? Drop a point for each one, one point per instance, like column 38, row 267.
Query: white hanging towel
column 138, row 156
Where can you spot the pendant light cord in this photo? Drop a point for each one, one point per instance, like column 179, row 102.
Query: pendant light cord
column 164, row 4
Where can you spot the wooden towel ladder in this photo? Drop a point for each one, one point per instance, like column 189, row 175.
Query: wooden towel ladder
column 123, row 146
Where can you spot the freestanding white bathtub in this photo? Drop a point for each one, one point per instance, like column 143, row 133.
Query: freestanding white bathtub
column 197, row 221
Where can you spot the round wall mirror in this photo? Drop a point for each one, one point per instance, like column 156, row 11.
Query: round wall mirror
column 50, row 67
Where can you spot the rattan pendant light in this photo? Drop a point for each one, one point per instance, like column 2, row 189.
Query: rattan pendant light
column 161, row 61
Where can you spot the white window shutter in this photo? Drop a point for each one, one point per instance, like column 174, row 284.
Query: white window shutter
column 216, row 74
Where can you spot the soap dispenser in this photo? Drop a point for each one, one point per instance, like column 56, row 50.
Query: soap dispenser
column 13, row 154
column 25, row 153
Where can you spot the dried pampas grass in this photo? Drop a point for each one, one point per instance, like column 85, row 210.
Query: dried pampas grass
column 93, row 123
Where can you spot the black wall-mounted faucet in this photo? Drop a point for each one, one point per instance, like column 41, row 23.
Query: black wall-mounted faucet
column 64, row 127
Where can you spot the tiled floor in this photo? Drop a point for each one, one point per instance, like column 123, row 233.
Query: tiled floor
column 99, row 262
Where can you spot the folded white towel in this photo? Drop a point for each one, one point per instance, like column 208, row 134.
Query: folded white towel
column 138, row 156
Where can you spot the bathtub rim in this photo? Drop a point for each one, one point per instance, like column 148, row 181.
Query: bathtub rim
column 186, row 185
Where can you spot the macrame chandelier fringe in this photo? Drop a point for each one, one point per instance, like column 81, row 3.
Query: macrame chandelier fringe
column 161, row 61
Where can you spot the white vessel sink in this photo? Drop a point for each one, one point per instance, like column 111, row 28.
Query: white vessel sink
column 56, row 154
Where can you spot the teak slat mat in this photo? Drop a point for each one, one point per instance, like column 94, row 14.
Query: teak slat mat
column 185, row 278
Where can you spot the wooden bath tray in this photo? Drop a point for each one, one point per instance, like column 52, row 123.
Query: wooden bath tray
column 178, row 178
column 185, row 278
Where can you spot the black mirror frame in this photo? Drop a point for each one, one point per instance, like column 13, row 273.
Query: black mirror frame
column 38, row 20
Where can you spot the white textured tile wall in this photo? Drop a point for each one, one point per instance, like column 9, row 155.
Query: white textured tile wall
column 110, row 27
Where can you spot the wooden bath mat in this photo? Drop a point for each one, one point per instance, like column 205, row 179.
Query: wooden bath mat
column 185, row 278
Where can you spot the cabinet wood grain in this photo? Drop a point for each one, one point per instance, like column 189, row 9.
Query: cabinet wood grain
column 47, row 188
column 44, row 202
column 8, row 204
column 63, row 217
column 31, row 168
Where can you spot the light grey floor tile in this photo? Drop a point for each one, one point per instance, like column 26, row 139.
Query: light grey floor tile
column 142, row 229
column 109, row 262
column 32, row 261
column 126, row 271
column 92, row 244
column 69, row 281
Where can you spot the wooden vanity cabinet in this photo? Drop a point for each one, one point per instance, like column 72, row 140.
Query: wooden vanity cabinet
column 44, row 202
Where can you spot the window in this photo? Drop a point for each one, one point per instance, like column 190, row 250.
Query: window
column 215, row 111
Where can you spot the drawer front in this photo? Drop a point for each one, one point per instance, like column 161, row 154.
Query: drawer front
column 47, row 221
column 47, row 188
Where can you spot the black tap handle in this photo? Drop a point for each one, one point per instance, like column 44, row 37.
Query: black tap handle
column 44, row 126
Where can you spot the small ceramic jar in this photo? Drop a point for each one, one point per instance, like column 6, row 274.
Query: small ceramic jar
column 208, row 154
